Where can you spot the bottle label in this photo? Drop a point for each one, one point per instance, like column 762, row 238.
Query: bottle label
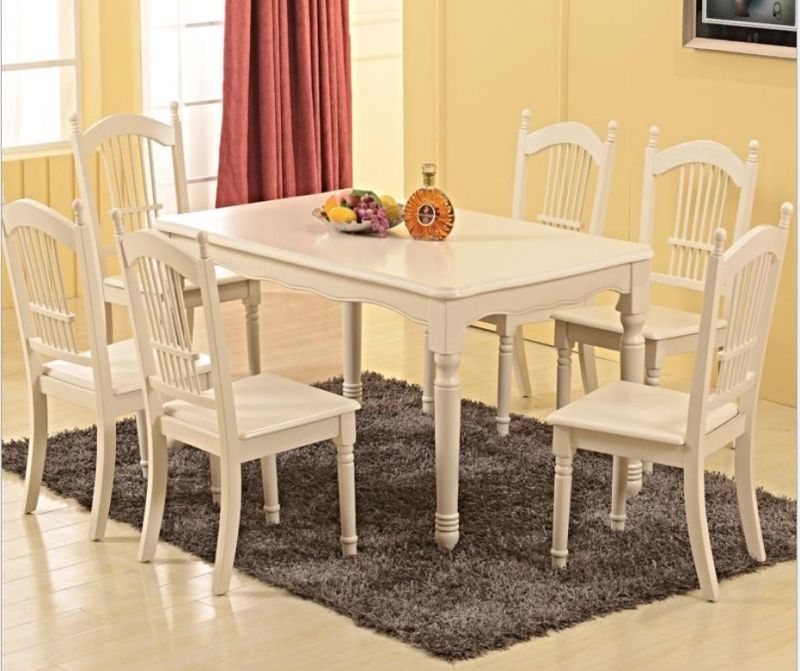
column 426, row 214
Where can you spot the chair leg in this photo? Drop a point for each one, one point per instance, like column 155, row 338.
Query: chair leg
column 345, row 471
column 562, row 495
column 230, row 509
column 141, row 433
column 156, row 495
column 746, row 495
column 37, row 450
column 251, row 305
column 505, row 359
column 428, row 371
column 564, row 370
column 109, row 308
column 619, row 487
column 103, row 476
column 521, row 373
column 695, row 501
column 588, row 367
column 269, row 480
column 654, row 360
column 213, row 466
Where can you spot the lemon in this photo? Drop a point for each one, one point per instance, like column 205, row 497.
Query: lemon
column 391, row 207
column 341, row 215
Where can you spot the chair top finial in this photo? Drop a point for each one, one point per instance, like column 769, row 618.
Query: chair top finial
column 73, row 123
column 612, row 131
column 653, row 134
column 752, row 151
column 720, row 236
column 202, row 242
column 526, row 118
column 787, row 209
column 119, row 225
column 77, row 209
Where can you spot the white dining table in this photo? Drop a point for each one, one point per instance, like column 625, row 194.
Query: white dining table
column 489, row 265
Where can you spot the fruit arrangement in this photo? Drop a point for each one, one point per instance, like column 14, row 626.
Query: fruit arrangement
column 357, row 210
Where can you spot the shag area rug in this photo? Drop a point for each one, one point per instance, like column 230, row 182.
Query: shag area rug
column 497, row 587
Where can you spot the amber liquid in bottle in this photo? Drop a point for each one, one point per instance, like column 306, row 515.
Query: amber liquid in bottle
column 428, row 213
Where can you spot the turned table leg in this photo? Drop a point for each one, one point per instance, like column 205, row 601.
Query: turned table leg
column 447, row 411
column 632, row 364
column 428, row 370
column 351, row 346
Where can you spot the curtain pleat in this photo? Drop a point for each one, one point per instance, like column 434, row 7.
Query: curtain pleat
column 287, row 110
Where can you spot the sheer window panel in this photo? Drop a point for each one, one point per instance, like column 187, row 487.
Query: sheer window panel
column 202, row 195
column 201, row 63
column 160, row 13
column 200, row 11
column 37, row 104
column 163, row 67
column 202, row 125
column 37, row 30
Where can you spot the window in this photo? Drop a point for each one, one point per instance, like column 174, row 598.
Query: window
column 40, row 72
column 182, row 54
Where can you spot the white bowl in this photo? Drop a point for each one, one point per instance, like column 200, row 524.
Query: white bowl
column 354, row 226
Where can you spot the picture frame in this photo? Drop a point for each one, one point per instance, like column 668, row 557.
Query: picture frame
column 755, row 27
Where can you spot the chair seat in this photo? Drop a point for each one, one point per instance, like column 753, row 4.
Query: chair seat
column 660, row 322
column 124, row 363
column 637, row 411
column 224, row 276
column 266, row 404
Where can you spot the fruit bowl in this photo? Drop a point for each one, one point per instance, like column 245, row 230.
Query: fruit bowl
column 359, row 211
column 354, row 226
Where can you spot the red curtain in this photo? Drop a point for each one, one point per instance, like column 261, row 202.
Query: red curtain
column 287, row 114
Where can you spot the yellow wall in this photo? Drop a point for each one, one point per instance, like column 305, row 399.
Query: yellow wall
column 591, row 61
column 111, row 83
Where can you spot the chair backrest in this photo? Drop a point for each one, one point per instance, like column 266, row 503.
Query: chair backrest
column 705, row 172
column 124, row 144
column 572, row 148
column 34, row 237
column 154, row 264
column 747, row 275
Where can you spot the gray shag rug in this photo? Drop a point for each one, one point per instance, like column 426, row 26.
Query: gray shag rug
column 497, row 587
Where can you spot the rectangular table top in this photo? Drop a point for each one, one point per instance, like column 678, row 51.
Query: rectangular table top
column 483, row 253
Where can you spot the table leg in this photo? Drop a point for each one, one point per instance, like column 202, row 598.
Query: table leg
column 447, row 412
column 351, row 349
column 632, row 364
column 428, row 369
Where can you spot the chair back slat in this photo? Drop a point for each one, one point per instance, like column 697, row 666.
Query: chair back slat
column 572, row 151
column 704, row 172
column 125, row 145
column 746, row 276
column 170, row 337
column 34, row 237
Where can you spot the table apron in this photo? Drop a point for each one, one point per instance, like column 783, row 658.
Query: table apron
column 446, row 319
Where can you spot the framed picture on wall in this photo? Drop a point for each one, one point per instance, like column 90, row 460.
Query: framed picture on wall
column 759, row 27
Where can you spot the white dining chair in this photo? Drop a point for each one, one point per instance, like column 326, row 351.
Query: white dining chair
column 574, row 153
column 104, row 378
column 251, row 418
column 634, row 421
column 125, row 144
column 705, row 172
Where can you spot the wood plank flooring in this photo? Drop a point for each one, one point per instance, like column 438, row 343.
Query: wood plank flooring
column 72, row 605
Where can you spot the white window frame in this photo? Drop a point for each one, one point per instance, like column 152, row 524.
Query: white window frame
column 147, row 106
column 74, row 62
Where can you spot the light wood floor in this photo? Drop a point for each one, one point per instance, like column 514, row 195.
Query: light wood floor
column 71, row 604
